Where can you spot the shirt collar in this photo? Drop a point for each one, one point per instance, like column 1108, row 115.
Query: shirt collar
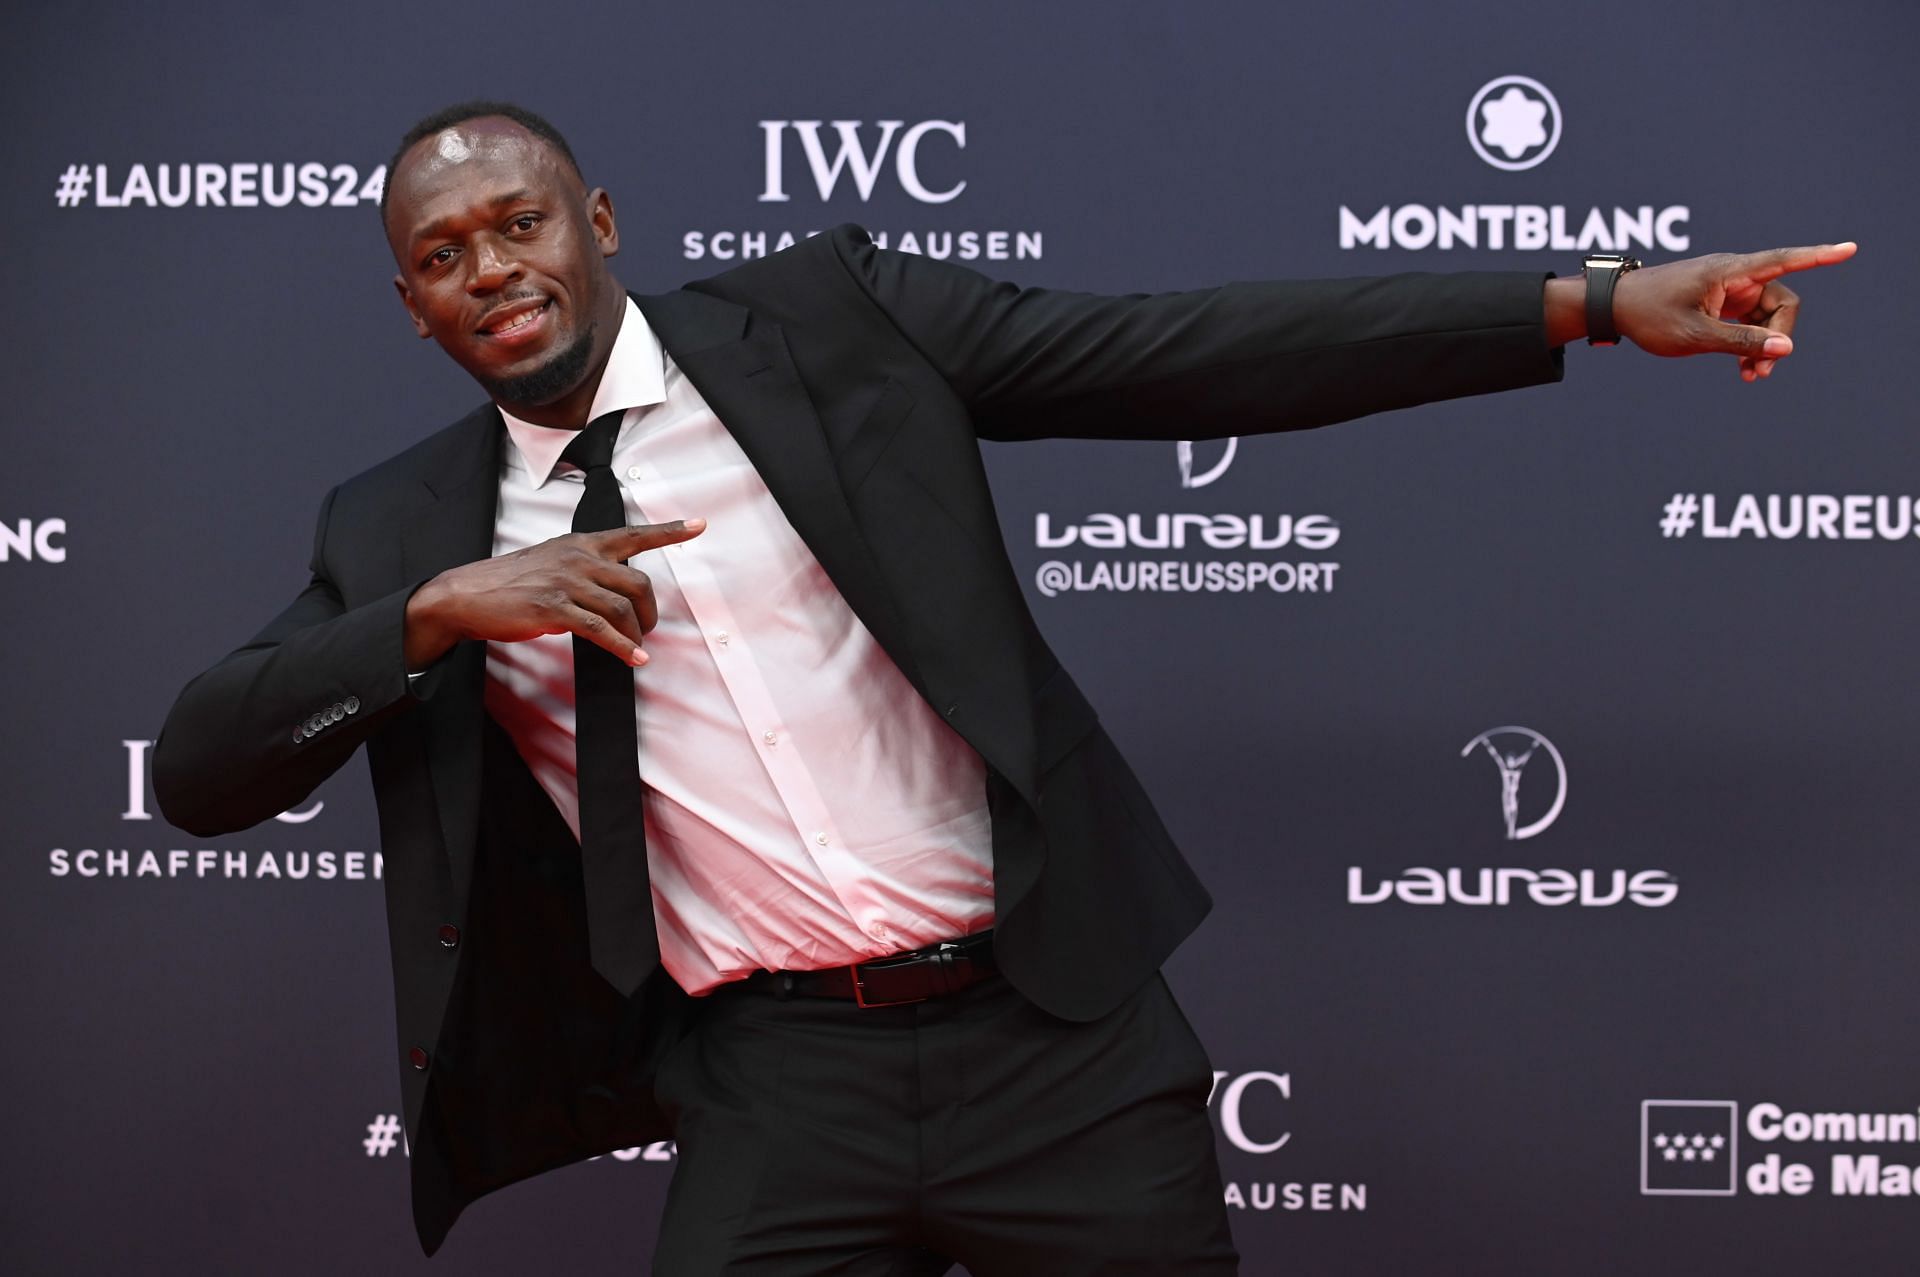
column 635, row 377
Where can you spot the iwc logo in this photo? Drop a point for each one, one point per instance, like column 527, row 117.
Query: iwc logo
column 1513, row 122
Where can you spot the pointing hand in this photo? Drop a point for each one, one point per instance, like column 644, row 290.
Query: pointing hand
column 578, row 583
column 1724, row 303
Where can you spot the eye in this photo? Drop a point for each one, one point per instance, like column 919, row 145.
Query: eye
column 525, row 221
column 438, row 257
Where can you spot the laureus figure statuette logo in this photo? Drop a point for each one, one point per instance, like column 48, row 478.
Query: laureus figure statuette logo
column 1183, row 450
column 1511, row 748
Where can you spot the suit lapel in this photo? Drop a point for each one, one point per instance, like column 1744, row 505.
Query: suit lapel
column 455, row 527
column 741, row 364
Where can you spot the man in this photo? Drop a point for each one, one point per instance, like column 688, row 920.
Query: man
column 880, row 948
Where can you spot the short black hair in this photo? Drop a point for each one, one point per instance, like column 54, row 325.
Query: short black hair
column 460, row 113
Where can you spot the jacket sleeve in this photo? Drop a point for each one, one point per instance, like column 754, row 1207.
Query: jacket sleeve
column 1242, row 358
column 257, row 733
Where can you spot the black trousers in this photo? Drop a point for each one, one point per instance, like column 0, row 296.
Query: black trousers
column 818, row 1138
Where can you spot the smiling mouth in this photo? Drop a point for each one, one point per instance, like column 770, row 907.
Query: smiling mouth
column 513, row 324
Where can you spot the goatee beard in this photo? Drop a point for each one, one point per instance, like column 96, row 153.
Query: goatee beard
column 550, row 380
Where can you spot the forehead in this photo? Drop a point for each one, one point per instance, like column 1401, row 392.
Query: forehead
column 466, row 168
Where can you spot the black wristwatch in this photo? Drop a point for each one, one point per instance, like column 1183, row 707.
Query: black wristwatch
column 1603, row 271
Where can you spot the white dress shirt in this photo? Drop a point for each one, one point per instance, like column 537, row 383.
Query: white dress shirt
column 805, row 807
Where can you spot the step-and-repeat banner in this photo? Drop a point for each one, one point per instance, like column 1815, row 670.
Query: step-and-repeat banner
column 1550, row 755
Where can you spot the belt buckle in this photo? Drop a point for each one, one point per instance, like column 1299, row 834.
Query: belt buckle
column 860, row 989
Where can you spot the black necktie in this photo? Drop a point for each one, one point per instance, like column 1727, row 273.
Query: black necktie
column 613, row 842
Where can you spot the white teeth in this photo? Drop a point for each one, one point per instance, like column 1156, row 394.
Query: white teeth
column 517, row 321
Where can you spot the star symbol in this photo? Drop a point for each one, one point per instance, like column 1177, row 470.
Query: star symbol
column 1706, row 1155
column 1671, row 1153
column 1690, row 1154
column 1660, row 1141
column 1718, row 1140
column 1699, row 1141
column 1513, row 122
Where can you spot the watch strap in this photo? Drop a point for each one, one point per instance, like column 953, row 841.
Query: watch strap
column 1603, row 272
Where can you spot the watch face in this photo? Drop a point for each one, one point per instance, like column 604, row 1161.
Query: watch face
column 1609, row 261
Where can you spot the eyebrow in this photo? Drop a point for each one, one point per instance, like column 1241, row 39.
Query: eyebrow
column 441, row 226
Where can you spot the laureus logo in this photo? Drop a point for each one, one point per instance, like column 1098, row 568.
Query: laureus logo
column 1521, row 759
column 1511, row 749
column 1183, row 452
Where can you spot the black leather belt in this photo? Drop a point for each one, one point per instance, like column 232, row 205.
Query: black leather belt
column 901, row 978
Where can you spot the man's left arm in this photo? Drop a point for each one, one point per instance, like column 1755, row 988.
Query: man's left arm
column 1287, row 354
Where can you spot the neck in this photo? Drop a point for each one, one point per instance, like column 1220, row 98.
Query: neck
column 570, row 411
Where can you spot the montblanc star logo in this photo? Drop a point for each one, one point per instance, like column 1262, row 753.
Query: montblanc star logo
column 1513, row 122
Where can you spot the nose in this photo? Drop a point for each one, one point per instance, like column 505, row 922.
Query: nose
column 491, row 266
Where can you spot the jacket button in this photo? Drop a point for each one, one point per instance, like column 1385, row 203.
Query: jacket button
column 351, row 705
column 417, row 1056
column 449, row 935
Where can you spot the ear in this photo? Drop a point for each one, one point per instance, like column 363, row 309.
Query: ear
column 413, row 311
column 606, row 235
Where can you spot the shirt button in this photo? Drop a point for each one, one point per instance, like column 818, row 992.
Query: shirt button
column 821, row 838
column 878, row 931
column 417, row 1056
column 772, row 738
column 449, row 935
column 722, row 637
column 633, row 472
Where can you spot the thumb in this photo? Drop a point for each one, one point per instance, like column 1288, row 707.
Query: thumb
column 1749, row 340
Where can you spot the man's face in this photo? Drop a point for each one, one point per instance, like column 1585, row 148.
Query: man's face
column 502, row 252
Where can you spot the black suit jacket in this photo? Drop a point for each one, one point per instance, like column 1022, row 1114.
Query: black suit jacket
column 858, row 382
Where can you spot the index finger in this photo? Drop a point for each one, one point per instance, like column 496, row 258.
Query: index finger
column 1775, row 262
column 624, row 543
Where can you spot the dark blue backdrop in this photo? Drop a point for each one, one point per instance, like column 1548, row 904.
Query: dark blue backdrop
column 200, row 1040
